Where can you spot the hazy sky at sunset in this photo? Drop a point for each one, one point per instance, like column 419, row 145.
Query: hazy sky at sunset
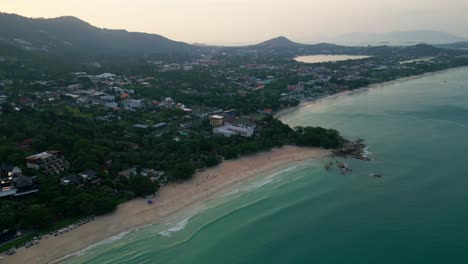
column 251, row 21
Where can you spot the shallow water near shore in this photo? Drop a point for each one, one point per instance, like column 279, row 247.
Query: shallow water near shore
column 417, row 213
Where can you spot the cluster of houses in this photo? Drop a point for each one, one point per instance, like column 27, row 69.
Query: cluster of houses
column 232, row 126
column 225, row 123
column 253, row 83
column 205, row 61
column 153, row 175
column 110, row 93
column 107, row 91
column 177, row 67
column 88, row 176
column 14, row 183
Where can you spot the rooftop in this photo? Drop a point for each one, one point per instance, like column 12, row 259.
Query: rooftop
column 43, row 155
column 216, row 117
column 140, row 126
column 158, row 125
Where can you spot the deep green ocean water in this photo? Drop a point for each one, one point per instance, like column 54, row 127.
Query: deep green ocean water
column 417, row 131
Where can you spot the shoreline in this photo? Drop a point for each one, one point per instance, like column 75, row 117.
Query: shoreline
column 305, row 103
column 172, row 199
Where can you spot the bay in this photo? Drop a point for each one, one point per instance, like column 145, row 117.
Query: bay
column 416, row 213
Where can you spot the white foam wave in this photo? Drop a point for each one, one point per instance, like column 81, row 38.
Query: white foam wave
column 183, row 223
column 257, row 184
column 179, row 226
column 83, row 251
column 366, row 153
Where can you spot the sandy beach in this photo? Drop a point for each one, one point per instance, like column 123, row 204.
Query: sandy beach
column 172, row 199
column 325, row 99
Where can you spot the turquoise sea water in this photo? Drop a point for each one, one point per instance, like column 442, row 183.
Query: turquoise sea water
column 417, row 131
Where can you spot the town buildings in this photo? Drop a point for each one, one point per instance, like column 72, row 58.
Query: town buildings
column 88, row 176
column 229, row 130
column 14, row 183
column 216, row 120
column 133, row 103
column 49, row 162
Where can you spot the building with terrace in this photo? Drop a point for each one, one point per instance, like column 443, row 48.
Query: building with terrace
column 50, row 162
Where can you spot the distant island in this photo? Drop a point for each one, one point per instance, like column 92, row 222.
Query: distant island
column 399, row 38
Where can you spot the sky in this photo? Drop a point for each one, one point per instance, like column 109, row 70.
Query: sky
column 238, row 22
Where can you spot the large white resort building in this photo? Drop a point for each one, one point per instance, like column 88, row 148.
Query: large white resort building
column 232, row 130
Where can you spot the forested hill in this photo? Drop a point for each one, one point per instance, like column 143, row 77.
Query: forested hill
column 75, row 43
column 284, row 47
column 73, row 37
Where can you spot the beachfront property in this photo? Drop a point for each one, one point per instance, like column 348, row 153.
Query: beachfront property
column 152, row 174
column 14, row 183
column 88, row 176
column 50, row 162
column 228, row 130
column 216, row 120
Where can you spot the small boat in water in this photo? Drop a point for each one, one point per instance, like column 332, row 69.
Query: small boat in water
column 377, row 175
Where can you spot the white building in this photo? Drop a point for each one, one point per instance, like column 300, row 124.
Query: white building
column 232, row 130
column 133, row 103
column 105, row 76
column 109, row 98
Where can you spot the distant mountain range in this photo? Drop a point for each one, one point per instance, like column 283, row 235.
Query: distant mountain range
column 284, row 46
column 457, row 45
column 70, row 39
column 72, row 36
column 398, row 38
column 279, row 42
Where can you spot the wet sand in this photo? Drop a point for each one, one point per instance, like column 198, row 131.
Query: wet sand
column 172, row 199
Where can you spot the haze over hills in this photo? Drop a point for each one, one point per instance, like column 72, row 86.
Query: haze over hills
column 463, row 45
column 77, row 41
column 281, row 41
column 72, row 36
column 285, row 46
column 398, row 38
